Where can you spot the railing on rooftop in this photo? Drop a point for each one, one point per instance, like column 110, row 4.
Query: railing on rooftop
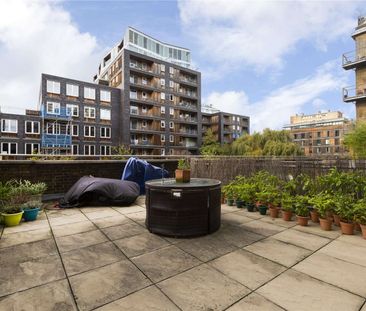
column 353, row 93
column 353, row 58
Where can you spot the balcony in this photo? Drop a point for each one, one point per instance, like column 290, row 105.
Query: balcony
column 354, row 59
column 351, row 94
column 56, row 140
column 187, row 131
column 187, row 93
column 187, row 105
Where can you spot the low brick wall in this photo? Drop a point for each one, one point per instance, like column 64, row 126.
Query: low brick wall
column 61, row 175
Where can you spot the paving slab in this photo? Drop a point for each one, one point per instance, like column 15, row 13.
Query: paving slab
column 353, row 239
column 28, row 226
column 140, row 244
column 94, row 209
column 248, row 269
column 102, row 214
column 254, row 302
column 111, row 221
column 363, row 307
column 165, row 262
column 18, row 238
column 302, row 239
column 91, row 257
column 228, row 209
column 130, row 209
column 62, row 212
column 293, row 290
column 278, row 251
column 123, row 231
column 73, row 228
column 139, row 216
column 79, row 240
column 203, row 288
column 315, row 229
column 338, row 272
column 26, row 252
column 345, row 251
column 278, row 222
column 54, row 296
column 237, row 235
column 263, row 228
column 150, row 298
column 235, row 219
column 24, row 275
column 244, row 212
column 206, row 248
column 63, row 220
column 104, row 285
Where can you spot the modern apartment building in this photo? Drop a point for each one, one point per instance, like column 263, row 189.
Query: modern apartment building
column 320, row 133
column 356, row 60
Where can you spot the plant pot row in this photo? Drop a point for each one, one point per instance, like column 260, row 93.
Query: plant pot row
column 28, row 214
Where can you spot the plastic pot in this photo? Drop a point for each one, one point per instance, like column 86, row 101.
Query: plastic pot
column 263, row 210
column 240, row 203
column 325, row 224
column 286, row 215
column 30, row 214
column 302, row 221
column 230, row 202
column 250, row 207
column 11, row 220
column 347, row 228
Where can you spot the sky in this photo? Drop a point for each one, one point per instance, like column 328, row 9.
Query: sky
column 264, row 59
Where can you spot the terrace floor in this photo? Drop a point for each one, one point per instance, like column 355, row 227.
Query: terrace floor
column 105, row 259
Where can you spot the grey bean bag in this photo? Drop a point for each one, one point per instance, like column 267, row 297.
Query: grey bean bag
column 93, row 191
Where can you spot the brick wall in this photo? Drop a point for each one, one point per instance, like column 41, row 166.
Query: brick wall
column 61, row 175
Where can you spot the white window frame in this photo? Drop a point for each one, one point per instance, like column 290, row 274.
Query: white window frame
column 162, row 110
column 89, row 92
column 55, row 110
column 107, row 150
column 134, row 110
column 171, row 111
column 70, row 110
column 105, row 114
column 53, row 87
column 9, row 147
column 143, row 95
column 162, row 152
column 77, row 149
column 144, row 109
column 72, row 90
column 162, row 96
column 89, row 147
column 32, row 127
column 144, row 137
column 89, row 129
column 171, row 138
column 32, row 148
column 132, row 79
column 107, row 130
column 171, row 84
column 143, row 81
column 171, row 70
column 56, row 128
column 162, row 82
column 171, row 125
column 88, row 112
column 171, row 97
column 162, row 124
column 105, row 96
column 144, row 123
column 162, row 138
column 72, row 130
column 162, row 67
column 6, row 126
column 133, row 94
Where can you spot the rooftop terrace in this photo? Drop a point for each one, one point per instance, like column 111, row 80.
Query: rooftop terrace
column 105, row 259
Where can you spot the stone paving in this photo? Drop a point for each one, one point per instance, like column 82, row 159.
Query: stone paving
column 105, row 259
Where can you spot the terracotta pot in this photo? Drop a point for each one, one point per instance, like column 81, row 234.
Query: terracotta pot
column 183, row 175
column 347, row 228
column 302, row 221
column 336, row 219
column 314, row 215
column 357, row 226
column 363, row 229
column 286, row 215
column 325, row 224
column 273, row 212
column 257, row 204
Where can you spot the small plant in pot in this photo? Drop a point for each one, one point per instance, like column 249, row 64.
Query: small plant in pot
column 274, row 204
column 324, row 204
column 228, row 191
column 302, row 210
column 263, row 199
column 244, row 195
column 12, row 214
column 344, row 207
column 287, row 205
column 359, row 211
column 183, row 172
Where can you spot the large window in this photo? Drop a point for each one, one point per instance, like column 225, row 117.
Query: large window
column 89, row 112
column 105, row 96
column 89, row 150
column 105, row 150
column 133, row 94
column 32, row 148
column 89, row 93
column 134, row 110
column 9, row 126
column 72, row 90
column 105, row 132
column 31, row 127
column 89, row 131
column 72, row 110
column 53, row 108
column 9, row 148
column 75, row 149
column 53, row 87
column 75, row 130
column 53, row 128
column 105, row 114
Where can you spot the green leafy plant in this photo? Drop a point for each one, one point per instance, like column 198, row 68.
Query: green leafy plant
column 183, row 164
column 323, row 203
column 359, row 212
column 302, row 205
column 287, row 202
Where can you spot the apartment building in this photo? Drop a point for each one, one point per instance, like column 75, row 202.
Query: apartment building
column 356, row 60
column 320, row 133
column 225, row 126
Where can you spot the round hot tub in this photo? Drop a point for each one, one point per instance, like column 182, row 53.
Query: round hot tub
column 183, row 209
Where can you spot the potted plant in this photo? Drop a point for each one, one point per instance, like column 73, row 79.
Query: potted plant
column 314, row 214
column 359, row 212
column 12, row 214
column 346, row 214
column 274, row 205
column 263, row 201
column 302, row 210
column 244, row 195
column 228, row 191
column 31, row 209
column 324, row 204
column 287, row 205
column 183, row 172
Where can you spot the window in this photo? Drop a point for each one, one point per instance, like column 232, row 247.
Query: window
column 171, row 97
column 162, row 137
column 75, row 149
column 171, row 70
column 9, row 148
column 162, row 67
column 318, row 134
column 53, row 108
column 32, row 127
column 143, row 95
column 75, row 130
column 105, row 132
column 89, row 150
column 9, row 126
column 171, row 84
column 171, row 138
column 144, row 137
column 144, row 109
column 234, row 127
column 171, row 124
column 171, row 111
column 336, row 133
column 105, row 96
column 89, row 131
column 89, row 112
column 328, row 133
column 53, row 128
column 134, row 110
column 144, row 81
column 162, row 110
column 105, row 150
column 133, row 94
column 162, row 95
column 32, row 148
column 162, row 124
column 234, row 118
column 89, row 93
column 72, row 90
column 132, row 79
column 53, row 87
column 162, row 152
column 72, row 110
column 105, row 114
column 162, row 82
column 144, row 123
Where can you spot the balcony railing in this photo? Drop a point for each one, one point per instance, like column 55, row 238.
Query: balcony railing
column 188, row 131
column 354, row 58
column 56, row 140
column 354, row 93
column 187, row 105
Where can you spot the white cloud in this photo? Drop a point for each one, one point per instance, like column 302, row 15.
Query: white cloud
column 36, row 37
column 261, row 33
column 274, row 110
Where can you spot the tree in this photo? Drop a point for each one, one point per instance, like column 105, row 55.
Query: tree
column 356, row 140
column 210, row 145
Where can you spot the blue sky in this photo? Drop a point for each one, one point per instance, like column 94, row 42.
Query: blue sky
column 265, row 59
